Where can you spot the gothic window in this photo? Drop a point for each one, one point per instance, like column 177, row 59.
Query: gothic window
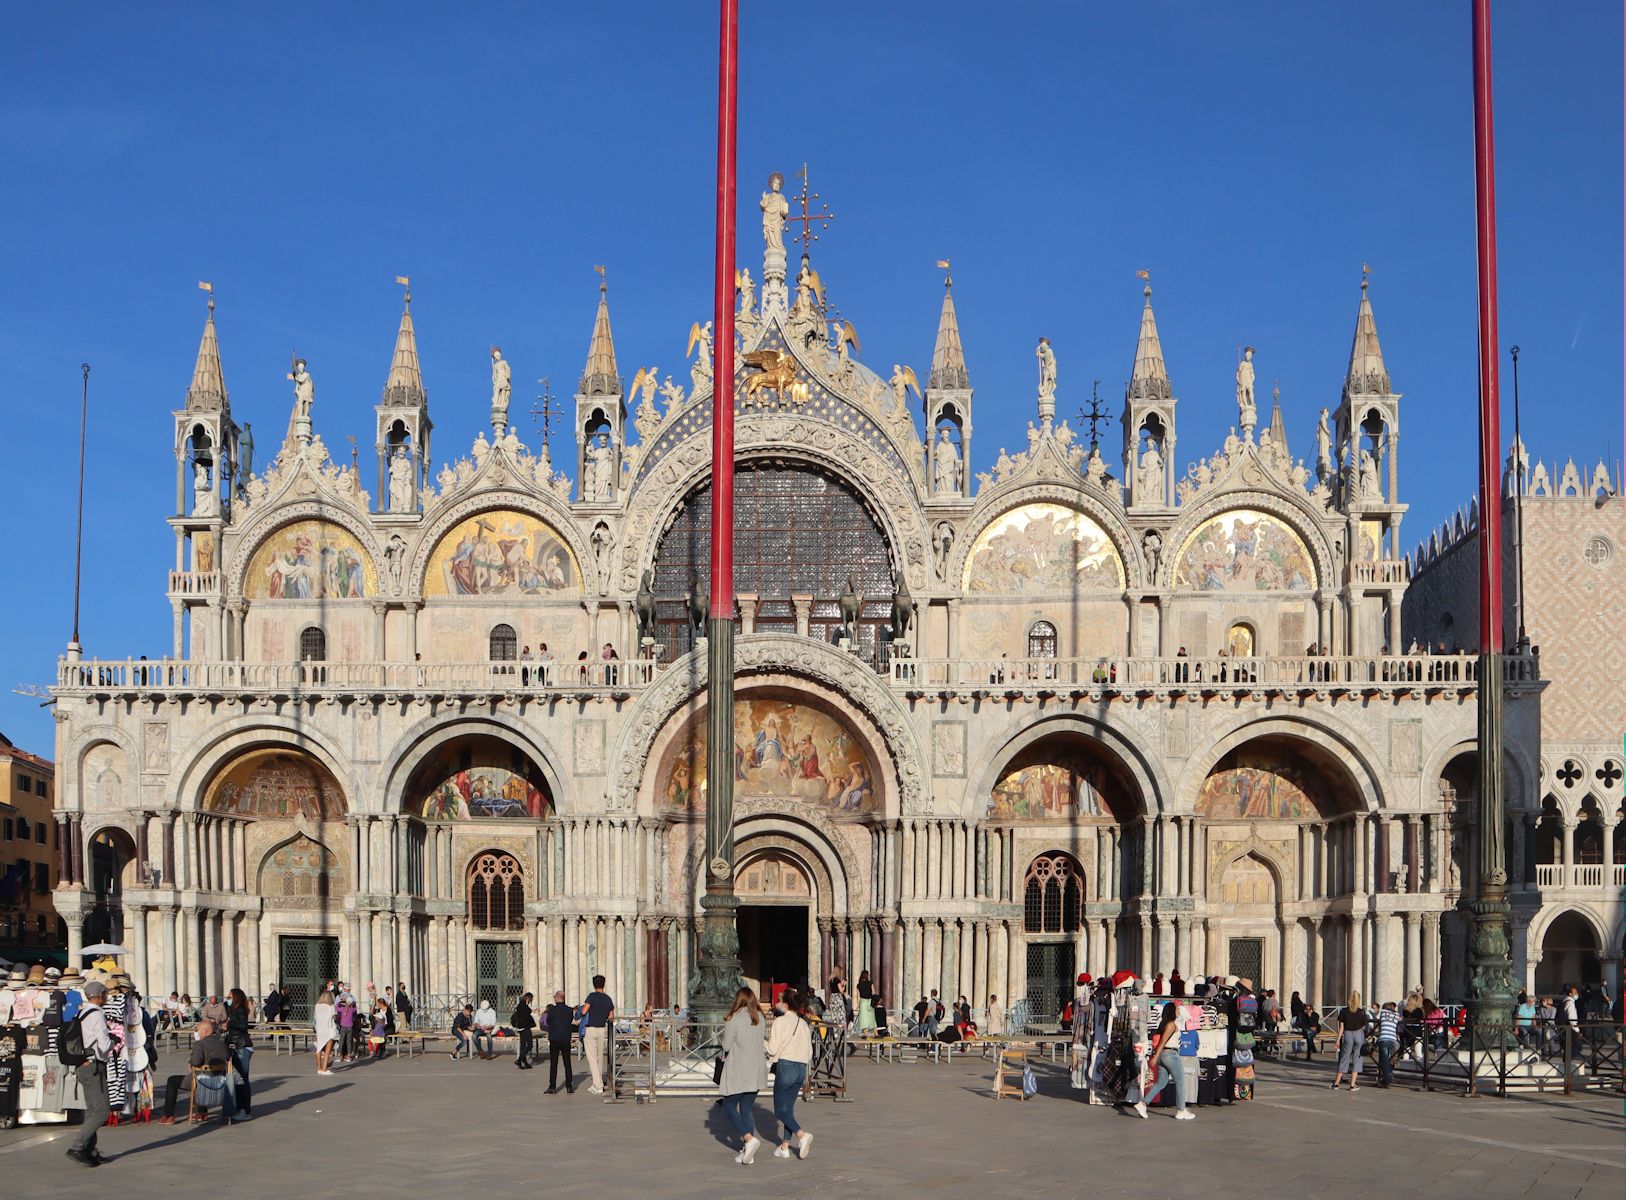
column 1053, row 898
column 1041, row 640
column 496, row 892
column 798, row 531
column 312, row 644
column 504, row 644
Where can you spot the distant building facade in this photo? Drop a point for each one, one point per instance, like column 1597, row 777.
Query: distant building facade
column 29, row 925
column 1082, row 711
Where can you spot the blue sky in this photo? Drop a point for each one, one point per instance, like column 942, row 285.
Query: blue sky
column 302, row 155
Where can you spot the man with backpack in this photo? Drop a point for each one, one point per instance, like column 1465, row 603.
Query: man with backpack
column 84, row 1046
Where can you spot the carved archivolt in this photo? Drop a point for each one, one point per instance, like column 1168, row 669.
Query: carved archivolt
column 248, row 540
column 536, row 504
column 1110, row 519
column 791, row 437
column 766, row 653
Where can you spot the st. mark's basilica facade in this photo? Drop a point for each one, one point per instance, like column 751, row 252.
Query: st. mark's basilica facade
column 1081, row 712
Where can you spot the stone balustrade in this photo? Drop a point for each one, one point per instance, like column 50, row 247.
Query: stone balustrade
column 1382, row 571
column 1399, row 673
column 94, row 676
column 194, row 583
column 1580, row 875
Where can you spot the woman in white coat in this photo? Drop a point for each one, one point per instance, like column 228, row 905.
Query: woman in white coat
column 790, row 1049
column 745, row 1069
column 325, row 1017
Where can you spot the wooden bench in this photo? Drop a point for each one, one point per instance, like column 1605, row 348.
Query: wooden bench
column 287, row 1035
column 403, row 1042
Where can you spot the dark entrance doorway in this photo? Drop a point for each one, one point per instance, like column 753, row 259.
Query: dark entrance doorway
column 773, row 945
column 1245, row 958
column 304, row 965
column 499, row 969
column 1050, row 980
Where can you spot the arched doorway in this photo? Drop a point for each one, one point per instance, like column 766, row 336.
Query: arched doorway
column 1569, row 954
column 112, row 861
column 1279, row 822
column 1052, row 916
column 776, row 922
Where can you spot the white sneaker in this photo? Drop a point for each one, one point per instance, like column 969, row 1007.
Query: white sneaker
column 750, row 1151
column 1185, row 1116
column 596, row 1090
column 806, row 1147
column 1140, row 1109
column 782, row 1150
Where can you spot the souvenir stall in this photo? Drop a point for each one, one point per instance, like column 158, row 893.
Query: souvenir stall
column 1206, row 1044
column 1118, row 1057
column 130, row 1063
column 35, row 1088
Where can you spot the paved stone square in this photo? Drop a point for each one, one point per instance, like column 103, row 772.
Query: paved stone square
column 429, row 1127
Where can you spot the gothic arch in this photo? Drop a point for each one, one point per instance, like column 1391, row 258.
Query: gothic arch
column 191, row 777
column 1079, row 499
column 788, row 438
column 544, row 506
column 1143, row 771
column 758, row 654
column 1350, row 752
column 801, row 833
column 1292, row 510
column 1517, row 772
column 418, row 743
column 337, row 878
column 248, row 542
column 1256, row 848
column 1549, row 913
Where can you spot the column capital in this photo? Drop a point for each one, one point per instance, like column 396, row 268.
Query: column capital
column 1413, row 919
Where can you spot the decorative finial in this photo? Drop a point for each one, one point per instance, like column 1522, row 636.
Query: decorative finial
column 1276, row 390
column 406, row 282
column 1147, row 276
column 210, row 288
column 807, row 216
column 603, row 279
column 1365, row 271
column 948, row 279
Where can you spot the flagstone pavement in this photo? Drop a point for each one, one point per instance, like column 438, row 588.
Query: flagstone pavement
column 429, row 1127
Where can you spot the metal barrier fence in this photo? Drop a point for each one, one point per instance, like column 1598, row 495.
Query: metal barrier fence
column 1500, row 1056
column 663, row 1058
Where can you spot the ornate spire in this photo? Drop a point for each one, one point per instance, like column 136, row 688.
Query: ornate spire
column 404, row 387
column 1367, row 375
column 1278, row 427
column 948, row 357
column 1150, row 378
column 208, row 390
column 601, row 378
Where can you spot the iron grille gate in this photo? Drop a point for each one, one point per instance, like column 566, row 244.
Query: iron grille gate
column 304, row 965
column 1246, row 957
column 1050, row 980
column 500, row 974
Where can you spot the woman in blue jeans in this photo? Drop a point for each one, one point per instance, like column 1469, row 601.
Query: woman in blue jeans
column 790, row 1049
column 1166, row 1054
column 241, row 1046
column 745, row 1070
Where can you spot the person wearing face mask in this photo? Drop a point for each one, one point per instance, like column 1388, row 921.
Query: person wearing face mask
column 790, row 1050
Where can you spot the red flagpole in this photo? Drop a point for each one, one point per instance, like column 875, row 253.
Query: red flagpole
column 717, row 975
column 722, row 388
column 1490, row 426
column 1490, row 964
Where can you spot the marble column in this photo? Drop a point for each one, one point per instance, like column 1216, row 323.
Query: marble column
column 1315, row 964
column 172, row 976
column 1383, row 986
column 1414, row 952
column 1431, row 954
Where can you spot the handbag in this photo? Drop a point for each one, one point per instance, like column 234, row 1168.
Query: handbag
column 1030, row 1082
column 717, row 1070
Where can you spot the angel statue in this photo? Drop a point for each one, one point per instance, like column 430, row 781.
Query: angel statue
column 845, row 335
column 501, row 381
column 809, row 287
column 673, row 392
column 700, row 372
column 1323, row 448
column 647, row 415
column 903, row 378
